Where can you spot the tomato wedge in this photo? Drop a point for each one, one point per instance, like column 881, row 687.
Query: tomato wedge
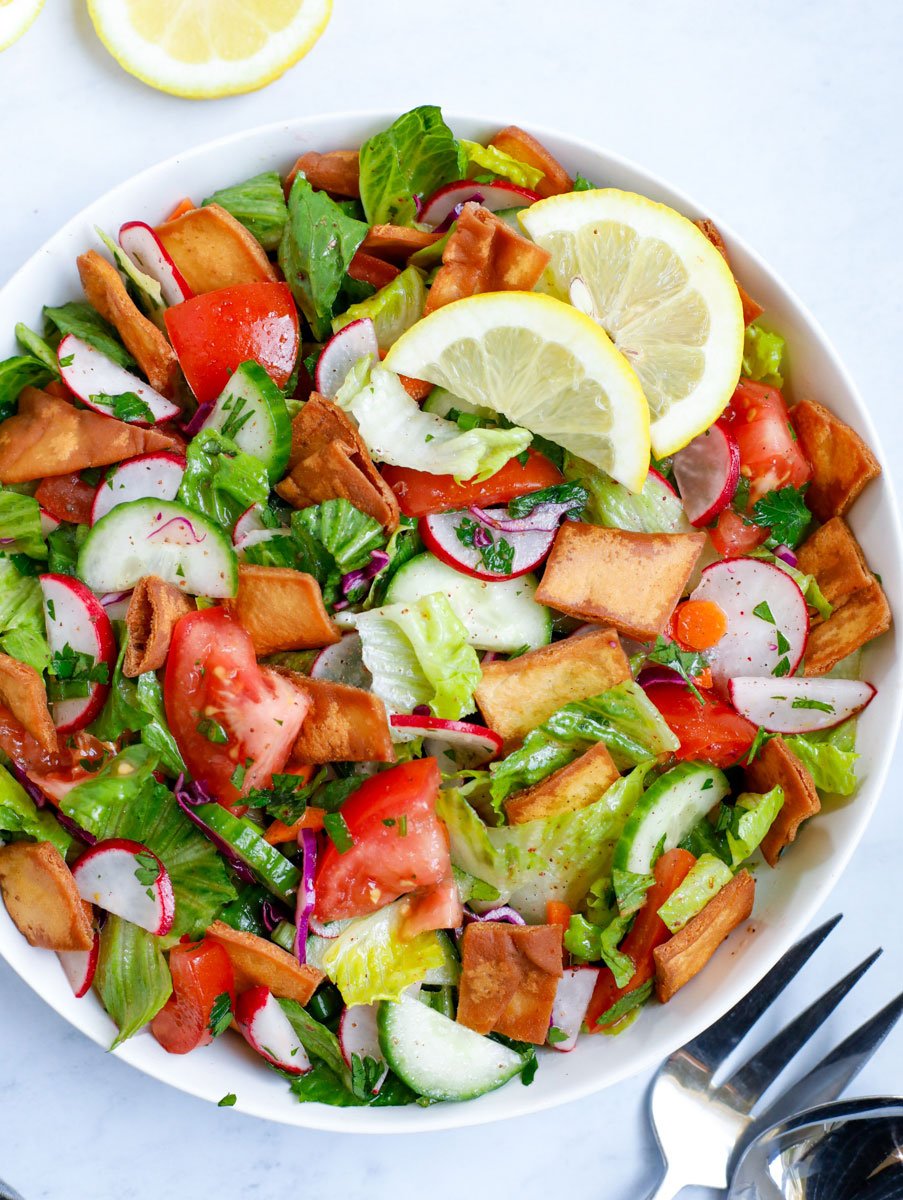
column 66, row 497
column 224, row 710
column 201, row 973
column 769, row 455
column 420, row 493
column 215, row 333
column 733, row 537
column 709, row 732
column 398, row 844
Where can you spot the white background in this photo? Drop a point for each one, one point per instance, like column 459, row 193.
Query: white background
column 784, row 118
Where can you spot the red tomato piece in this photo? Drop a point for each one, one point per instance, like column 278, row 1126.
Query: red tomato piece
column 709, row 732
column 733, row 537
column 398, row 845
column 438, row 908
column 420, row 493
column 224, row 710
column 66, row 497
column 201, row 972
column 770, row 457
column 215, row 333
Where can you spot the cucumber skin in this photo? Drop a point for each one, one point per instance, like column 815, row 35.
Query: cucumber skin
column 270, row 865
column 252, row 382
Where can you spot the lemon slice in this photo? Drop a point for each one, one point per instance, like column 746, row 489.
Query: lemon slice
column 207, row 48
column 544, row 366
column 15, row 17
column 662, row 292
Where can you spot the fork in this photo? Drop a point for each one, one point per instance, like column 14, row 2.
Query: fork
column 701, row 1128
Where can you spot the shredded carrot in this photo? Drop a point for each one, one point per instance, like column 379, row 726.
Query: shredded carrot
column 558, row 913
column 700, row 624
column 185, row 205
column 312, row 818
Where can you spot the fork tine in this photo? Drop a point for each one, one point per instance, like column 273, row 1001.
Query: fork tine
column 716, row 1043
column 757, row 1074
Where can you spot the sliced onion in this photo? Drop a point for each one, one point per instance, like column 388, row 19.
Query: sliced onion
column 304, row 903
column 785, row 554
column 504, row 913
column 201, row 413
column 353, row 579
column 544, row 518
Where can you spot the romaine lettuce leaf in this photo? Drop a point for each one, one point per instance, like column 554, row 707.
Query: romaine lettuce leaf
column 220, row 480
column 706, row 878
column 346, row 534
column 595, row 943
column 763, row 353
column 393, row 309
column 497, row 162
column 79, row 318
column 417, row 154
column 16, row 373
column 22, row 631
column 259, row 203
column 20, row 523
column 132, row 977
column 19, row 814
column 751, row 817
column 830, row 755
column 32, row 343
column 615, row 506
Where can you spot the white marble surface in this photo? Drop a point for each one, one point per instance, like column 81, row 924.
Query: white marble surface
column 782, row 117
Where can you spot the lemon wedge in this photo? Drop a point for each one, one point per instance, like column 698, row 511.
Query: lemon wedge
column 16, row 17
column 661, row 291
column 208, row 48
column 542, row 364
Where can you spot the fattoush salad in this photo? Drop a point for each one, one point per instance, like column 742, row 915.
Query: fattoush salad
column 423, row 606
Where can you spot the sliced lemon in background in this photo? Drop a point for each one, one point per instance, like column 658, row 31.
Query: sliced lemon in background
column 15, row 18
column 662, row 292
column 207, row 48
column 542, row 364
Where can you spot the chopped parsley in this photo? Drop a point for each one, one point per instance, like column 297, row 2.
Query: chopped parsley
column 782, row 643
column 127, row 406
column 73, row 672
column 220, row 1015
column 147, row 871
column 687, row 663
column 817, row 705
column 556, row 1036
column 784, row 512
column 338, row 831
column 212, row 731
column 237, row 418
column 764, row 613
column 287, row 798
column 227, row 1101
column 496, row 555
column 762, row 736
column 782, row 668
column 572, row 494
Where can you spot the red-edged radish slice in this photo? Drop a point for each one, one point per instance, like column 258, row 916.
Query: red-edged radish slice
column 116, row 604
column 248, row 522
column 798, row 705
column 343, row 662
column 572, row 997
column 79, row 966
column 48, row 523
column 494, row 196
column 89, row 374
column 158, row 474
column 256, row 536
column 439, row 533
column 707, row 472
column 767, row 619
column 75, row 618
column 149, row 254
column 125, row 878
column 267, row 1029
column 328, row 930
column 358, row 1034
column 340, row 354
column 474, row 740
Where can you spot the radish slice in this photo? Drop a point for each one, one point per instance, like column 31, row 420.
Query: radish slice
column 474, row 740
column 530, row 547
column 358, row 1034
column 572, row 997
column 249, row 522
column 256, row 536
column 79, row 966
column 76, row 620
column 340, row 354
column 125, row 878
column 116, row 604
column 149, row 254
column 91, row 376
column 767, row 619
column 48, row 523
column 799, row 705
column 707, row 472
column 267, row 1029
column 343, row 662
column 494, row 196
column 158, row 474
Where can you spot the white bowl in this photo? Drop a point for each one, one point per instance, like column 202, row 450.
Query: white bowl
column 787, row 898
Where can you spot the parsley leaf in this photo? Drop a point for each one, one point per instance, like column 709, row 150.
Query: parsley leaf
column 687, row 663
column 127, row 406
column 220, row 1016
column 818, row 705
column 573, row 494
column 147, row 871
column 72, row 672
column 556, row 1036
column 227, row 1101
column 498, row 557
column 212, row 731
column 783, row 667
column 784, row 512
column 287, row 799
column 338, row 831
column 366, row 1074
column 763, row 612
column 762, row 736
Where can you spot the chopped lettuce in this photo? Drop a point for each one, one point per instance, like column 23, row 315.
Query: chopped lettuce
column 20, row 523
column 706, row 878
column 220, row 480
column 347, row 535
column 763, row 353
column 595, row 943
column 22, row 630
column 396, row 430
column 751, row 817
column 32, row 343
column 393, row 309
column 132, row 977
column 830, row 755
column 79, row 318
column 655, row 509
column 630, row 890
column 404, row 544
column 497, row 162
column 806, row 583
column 143, row 288
column 16, row 373
column 406, row 163
column 259, row 203
column 19, row 814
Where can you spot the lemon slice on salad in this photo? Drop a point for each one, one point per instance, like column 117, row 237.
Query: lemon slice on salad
column 543, row 365
column 16, row 17
column 661, row 291
column 208, row 48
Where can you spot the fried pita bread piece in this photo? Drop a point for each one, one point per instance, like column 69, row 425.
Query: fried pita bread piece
column 213, row 250
column 526, row 149
column 367, row 268
column 484, row 254
column 517, row 695
column 836, row 560
column 344, row 724
column 777, row 766
column 842, row 464
column 685, row 954
column 751, row 308
column 281, row 609
column 22, row 691
column 397, row 241
column 105, row 291
column 258, row 962
column 150, row 618
column 632, row 581
column 577, row 785
column 509, row 976
column 42, row 898
column 865, row 615
column 49, row 436
column 338, row 171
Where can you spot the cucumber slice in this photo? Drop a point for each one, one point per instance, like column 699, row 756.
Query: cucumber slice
column 440, row 402
column 252, row 412
column 450, row 972
column 439, row 1058
column 667, row 812
column 501, row 616
column 273, row 870
column 158, row 537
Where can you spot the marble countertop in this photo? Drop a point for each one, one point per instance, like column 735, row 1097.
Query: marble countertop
column 778, row 116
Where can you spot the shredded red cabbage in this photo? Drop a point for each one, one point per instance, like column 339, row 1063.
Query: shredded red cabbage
column 40, row 801
column 201, row 413
column 421, row 710
column 785, row 554
column 544, row 518
column 188, row 797
column 658, row 674
column 504, row 913
column 353, row 579
column 444, row 226
column 271, row 914
column 304, row 903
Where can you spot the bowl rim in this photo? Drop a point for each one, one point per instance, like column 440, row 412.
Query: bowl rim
column 519, row 1101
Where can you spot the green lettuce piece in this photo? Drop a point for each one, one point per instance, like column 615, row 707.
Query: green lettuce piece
column 752, row 815
column 19, row 814
column 830, row 755
column 347, row 535
column 155, row 733
column 32, row 343
column 417, row 154
column 16, row 373
column 595, row 943
column 763, row 354
column 64, row 544
column 22, row 630
column 79, row 318
column 370, row 960
column 132, row 978
column 220, row 480
column 706, row 878
column 418, row 654
column 505, row 166
column 393, row 309
column 630, row 890
column 20, row 521
column 404, row 544
column 259, row 203
column 144, row 289
column 616, row 507
column 396, row 430
column 317, row 246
